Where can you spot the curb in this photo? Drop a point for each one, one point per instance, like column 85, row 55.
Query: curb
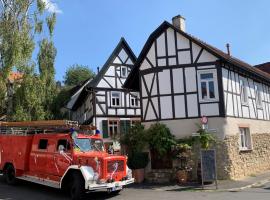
column 237, row 189
column 256, row 184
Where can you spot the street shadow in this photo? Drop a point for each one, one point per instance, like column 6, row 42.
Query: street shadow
column 24, row 190
column 166, row 187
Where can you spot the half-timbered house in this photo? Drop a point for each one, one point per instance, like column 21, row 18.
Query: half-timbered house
column 103, row 102
column 181, row 78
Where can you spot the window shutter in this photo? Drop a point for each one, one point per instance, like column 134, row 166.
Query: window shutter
column 124, row 126
column 105, row 128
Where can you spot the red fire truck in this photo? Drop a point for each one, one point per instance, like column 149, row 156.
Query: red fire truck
column 60, row 154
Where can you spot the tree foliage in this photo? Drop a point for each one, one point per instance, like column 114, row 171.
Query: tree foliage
column 21, row 23
column 76, row 74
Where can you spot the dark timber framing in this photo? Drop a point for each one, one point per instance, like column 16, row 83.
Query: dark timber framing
column 235, row 67
column 101, row 96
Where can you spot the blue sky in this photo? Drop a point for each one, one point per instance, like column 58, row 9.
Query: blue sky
column 87, row 31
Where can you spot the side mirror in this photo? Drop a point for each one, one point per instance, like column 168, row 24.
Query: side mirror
column 61, row 148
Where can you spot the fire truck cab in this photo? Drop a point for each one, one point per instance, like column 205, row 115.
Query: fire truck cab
column 60, row 154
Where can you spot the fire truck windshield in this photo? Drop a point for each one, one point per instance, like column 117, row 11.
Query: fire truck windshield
column 89, row 144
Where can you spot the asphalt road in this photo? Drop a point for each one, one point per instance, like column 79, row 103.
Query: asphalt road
column 29, row 191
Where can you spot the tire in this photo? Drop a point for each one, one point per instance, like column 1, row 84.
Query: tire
column 76, row 188
column 10, row 176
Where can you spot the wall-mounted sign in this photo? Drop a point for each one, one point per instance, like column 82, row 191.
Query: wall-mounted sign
column 204, row 120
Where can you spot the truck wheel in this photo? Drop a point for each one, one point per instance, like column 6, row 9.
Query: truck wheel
column 77, row 187
column 9, row 174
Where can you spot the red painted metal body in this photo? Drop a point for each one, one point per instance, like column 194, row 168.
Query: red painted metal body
column 29, row 159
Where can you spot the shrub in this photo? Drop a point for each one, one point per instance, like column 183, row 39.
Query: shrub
column 160, row 138
column 138, row 160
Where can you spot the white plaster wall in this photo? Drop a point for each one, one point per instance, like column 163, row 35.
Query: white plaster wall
column 178, row 84
column 161, row 45
column 210, row 109
column 179, row 104
column 192, row 104
column 164, row 82
column 171, row 42
column 191, row 84
column 166, row 107
column 152, row 55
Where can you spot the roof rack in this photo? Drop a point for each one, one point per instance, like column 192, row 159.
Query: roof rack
column 41, row 127
column 41, row 123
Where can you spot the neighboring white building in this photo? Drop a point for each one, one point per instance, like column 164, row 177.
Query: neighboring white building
column 103, row 102
column 181, row 78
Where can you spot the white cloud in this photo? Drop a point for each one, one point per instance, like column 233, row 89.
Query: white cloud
column 52, row 7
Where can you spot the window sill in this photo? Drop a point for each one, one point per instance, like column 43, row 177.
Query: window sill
column 134, row 106
column 115, row 106
column 208, row 100
column 245, row 149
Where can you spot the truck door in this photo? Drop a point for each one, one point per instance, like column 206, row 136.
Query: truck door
column 38, row 158
column 62, row 157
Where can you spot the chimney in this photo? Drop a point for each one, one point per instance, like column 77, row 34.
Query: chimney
column 179, row 22
column 97, row 69
column 228, row 49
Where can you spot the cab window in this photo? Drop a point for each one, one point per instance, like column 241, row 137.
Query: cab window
column 64, row 143
column 43, row 143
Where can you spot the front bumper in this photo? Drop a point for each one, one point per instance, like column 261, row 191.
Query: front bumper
column 117, row 185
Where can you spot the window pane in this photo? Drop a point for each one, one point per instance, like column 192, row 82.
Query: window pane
column 207, row 76
column 204, row 90
column 211, row 89
column 246, row 138
column 115, row 94
column 242, row 140
column 124, row 71
column 43, row 144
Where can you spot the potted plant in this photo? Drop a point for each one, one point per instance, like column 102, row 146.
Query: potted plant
column 205, row 138
column 182, row 152
column 135, row 142
column 137, row 161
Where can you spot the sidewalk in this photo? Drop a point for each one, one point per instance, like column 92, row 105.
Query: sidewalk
column 223, row 185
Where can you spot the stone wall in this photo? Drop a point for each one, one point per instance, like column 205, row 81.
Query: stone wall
column 235, row 164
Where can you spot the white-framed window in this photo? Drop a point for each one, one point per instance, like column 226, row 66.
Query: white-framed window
column 134, row 100
column 113, row 126
column 244, row 139
column 243, row 92
column 207, row 84
column 258, row 96
column 124, row 71
column 115, row 99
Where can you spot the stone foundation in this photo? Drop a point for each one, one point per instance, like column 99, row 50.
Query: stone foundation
column 235, row 164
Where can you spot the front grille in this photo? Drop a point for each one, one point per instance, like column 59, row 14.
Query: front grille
column 115, row 165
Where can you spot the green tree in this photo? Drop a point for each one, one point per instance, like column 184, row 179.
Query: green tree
column 76, row 74
column 21, row 23
column 46, row 58
column 16, row 41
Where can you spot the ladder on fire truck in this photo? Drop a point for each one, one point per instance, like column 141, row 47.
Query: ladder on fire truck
column 41, row 127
